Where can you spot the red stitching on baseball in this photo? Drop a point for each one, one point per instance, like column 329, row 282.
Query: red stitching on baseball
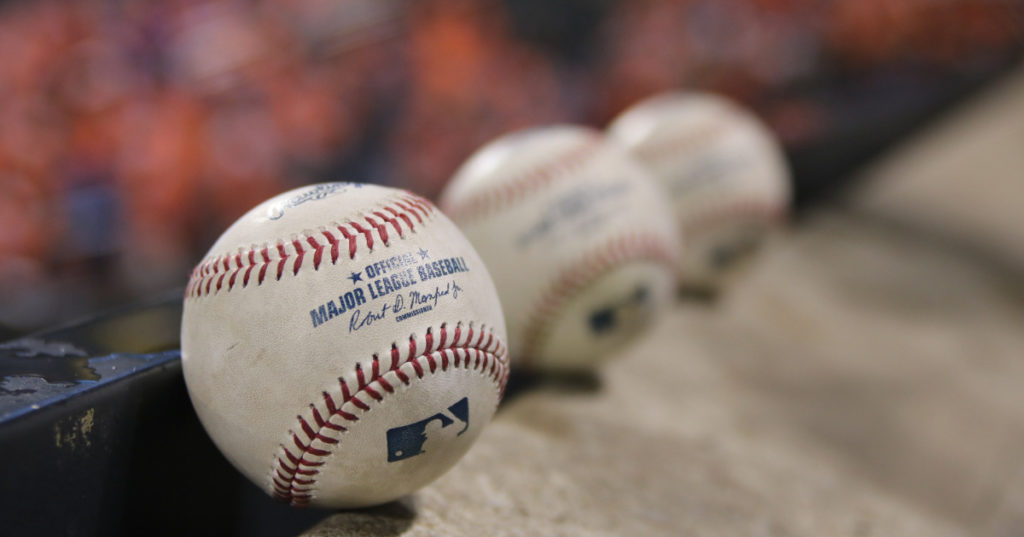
column 366, row 233
column 234, row 273
column 265, row 255
column 381, row 229
column 672, row 145
column 334, row 245
column 733, row 211
column 300, row 253
column 216, row 273
column 318, row 251
column 591, row 265
column 491, row 361
column 713, row 213
column 282, row 259
column 245, row 277
column 527, row 182
column 403, row 216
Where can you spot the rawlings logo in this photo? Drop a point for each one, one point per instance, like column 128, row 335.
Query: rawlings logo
column 317, row 192
column 580, row 204
column 708, row 171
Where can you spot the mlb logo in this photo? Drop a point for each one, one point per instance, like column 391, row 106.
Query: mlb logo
column 413, row 439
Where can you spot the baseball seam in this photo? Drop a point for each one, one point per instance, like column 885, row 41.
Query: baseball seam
column 318, row 433
column 589, row 266
column 680, row 141
column 221, row 272
column 716, row 213
column 670, row 146
column 523, row 184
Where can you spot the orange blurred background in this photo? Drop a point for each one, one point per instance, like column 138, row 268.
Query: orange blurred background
column 132, row 133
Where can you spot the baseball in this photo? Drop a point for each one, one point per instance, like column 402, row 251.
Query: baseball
column 343, row 344
column 723, row 172
column 580, row 245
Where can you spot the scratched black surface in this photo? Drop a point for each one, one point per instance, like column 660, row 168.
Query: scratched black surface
column 106, row 442
column 41, row 369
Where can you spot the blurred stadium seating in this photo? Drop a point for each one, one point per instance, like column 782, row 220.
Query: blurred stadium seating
column 132, row 133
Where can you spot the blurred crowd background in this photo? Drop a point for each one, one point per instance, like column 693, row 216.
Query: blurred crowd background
column 132, row 132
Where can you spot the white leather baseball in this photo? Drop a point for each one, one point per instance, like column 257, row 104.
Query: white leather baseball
column 580, row 245
column 343, row 344
column 723, row 171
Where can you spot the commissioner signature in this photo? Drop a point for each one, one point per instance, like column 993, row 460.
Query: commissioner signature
column 404, row 306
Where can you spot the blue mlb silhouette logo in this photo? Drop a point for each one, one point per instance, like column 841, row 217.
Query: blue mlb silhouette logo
column 413, row 439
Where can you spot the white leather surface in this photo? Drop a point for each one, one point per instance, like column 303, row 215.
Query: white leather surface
column 261, row 360
column 723, row 171
column 580, row 243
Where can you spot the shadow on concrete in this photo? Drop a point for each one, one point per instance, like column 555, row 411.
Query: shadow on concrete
column 567, row 383
column 388, row 520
